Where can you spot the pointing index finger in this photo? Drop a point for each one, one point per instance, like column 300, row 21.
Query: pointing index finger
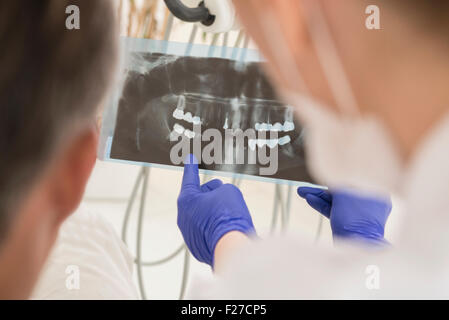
column 191, row 178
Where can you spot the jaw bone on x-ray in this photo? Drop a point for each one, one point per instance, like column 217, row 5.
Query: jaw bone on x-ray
column 168, row 95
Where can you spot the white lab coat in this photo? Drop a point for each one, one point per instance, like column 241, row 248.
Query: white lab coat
column 415, row 266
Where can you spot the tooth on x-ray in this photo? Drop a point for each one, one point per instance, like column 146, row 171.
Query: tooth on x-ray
column 189, row 134
column 181, row 102
column 286, row 127
column 271, row 143
column 289, row 126
column 226, row 125
column 284, row 140
column 179, row 115
column 179, row 130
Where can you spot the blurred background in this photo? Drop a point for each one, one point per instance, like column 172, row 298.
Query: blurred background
column 276, row 209
column 150, row 19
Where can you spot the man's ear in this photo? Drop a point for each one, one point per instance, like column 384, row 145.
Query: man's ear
column 71, row 171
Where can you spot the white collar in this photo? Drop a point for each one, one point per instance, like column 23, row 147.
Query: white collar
column 425, row 187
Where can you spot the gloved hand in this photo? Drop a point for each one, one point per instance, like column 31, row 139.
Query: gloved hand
column 206, row 213
column 351, row 216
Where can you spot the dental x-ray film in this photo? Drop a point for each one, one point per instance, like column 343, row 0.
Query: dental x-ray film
column 172, row 102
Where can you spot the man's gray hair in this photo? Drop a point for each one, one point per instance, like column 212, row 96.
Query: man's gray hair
column 50, row 77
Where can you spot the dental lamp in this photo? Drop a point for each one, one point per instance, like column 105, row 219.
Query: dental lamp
column 213, row 16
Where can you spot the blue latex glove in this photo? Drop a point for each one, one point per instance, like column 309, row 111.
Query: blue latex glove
column 206, row 213
column 351, row 216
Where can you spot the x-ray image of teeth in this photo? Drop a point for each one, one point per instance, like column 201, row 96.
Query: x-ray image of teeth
column 165, row 96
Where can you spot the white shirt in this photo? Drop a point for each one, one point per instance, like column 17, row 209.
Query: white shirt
column 88, row 261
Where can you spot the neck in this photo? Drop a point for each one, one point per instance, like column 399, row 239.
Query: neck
column 411, row 92
column 24, row 252
column 426, row 104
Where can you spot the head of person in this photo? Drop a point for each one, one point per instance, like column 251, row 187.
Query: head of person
column 368, row 79
column 53, row 83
